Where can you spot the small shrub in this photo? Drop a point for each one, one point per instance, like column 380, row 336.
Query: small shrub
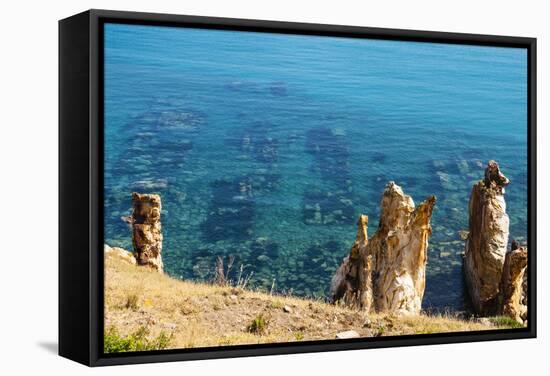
column 506, row 322
column 259, row 324
column 314, row 307
column 277, row 304
column 187, row 307
column 132, row 302
column 236, row 291
column 299, row 336
column 381, row 331
column 217, row 303
column 113, row 342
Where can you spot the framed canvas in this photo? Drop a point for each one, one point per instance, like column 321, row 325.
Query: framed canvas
column 234, row 187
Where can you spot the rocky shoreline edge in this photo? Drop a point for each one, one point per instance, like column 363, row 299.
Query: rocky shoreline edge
column 148, row 310
column 385, row 275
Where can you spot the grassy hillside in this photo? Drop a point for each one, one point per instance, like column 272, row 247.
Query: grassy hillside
column 148, row 310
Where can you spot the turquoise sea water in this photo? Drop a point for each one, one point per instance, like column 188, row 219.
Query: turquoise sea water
column 267, row 147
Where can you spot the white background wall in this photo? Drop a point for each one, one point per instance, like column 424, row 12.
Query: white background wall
column 28, row 184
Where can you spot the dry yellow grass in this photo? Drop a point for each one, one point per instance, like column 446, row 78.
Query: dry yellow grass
column 198, row 314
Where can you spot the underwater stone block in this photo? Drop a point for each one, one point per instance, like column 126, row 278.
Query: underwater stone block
column 231, row 211
column 331, row 155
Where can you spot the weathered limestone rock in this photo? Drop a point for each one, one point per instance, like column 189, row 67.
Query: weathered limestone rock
column 351, row 284
column 120, row 253
column 347, row 334
column 387, row 272
column 487, row 240
column 494, row 178
column 511, row 284
column 146, row 230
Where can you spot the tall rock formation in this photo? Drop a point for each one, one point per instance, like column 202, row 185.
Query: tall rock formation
column 146, row 230
column 352, row 282
column 387, row 273
column 487, row 240
column 511, row 284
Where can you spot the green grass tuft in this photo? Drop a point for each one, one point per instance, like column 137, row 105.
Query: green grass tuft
column 113, row 342
column 132, row 302
column 259, row 324
column 505, row 321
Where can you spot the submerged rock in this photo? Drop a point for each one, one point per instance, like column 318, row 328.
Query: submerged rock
column 180, row 119
column 463, row 166
column 146, row 230
column 387, row 272
column 150, row 184
column 232, row 203
column 278, row 88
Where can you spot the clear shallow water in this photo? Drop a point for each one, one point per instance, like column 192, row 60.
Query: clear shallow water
column 267, row 147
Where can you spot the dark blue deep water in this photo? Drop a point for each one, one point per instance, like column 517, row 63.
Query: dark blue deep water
column 267, row 147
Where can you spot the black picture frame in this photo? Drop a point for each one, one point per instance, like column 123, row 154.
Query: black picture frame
column 81, row 184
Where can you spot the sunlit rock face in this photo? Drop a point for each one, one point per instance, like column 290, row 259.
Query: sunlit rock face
column 387, row 273
column 487, row 240
column 511, row 285
column 146, row 230
column 120, row 253
column 351, row 284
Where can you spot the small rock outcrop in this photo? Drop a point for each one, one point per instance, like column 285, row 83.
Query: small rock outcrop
column 511, row 284
column 387, row 272
column 347, row 334
column 146, row 230
column 495, row 179
column 351, row 284
column 487, row 240
column 120, row 253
